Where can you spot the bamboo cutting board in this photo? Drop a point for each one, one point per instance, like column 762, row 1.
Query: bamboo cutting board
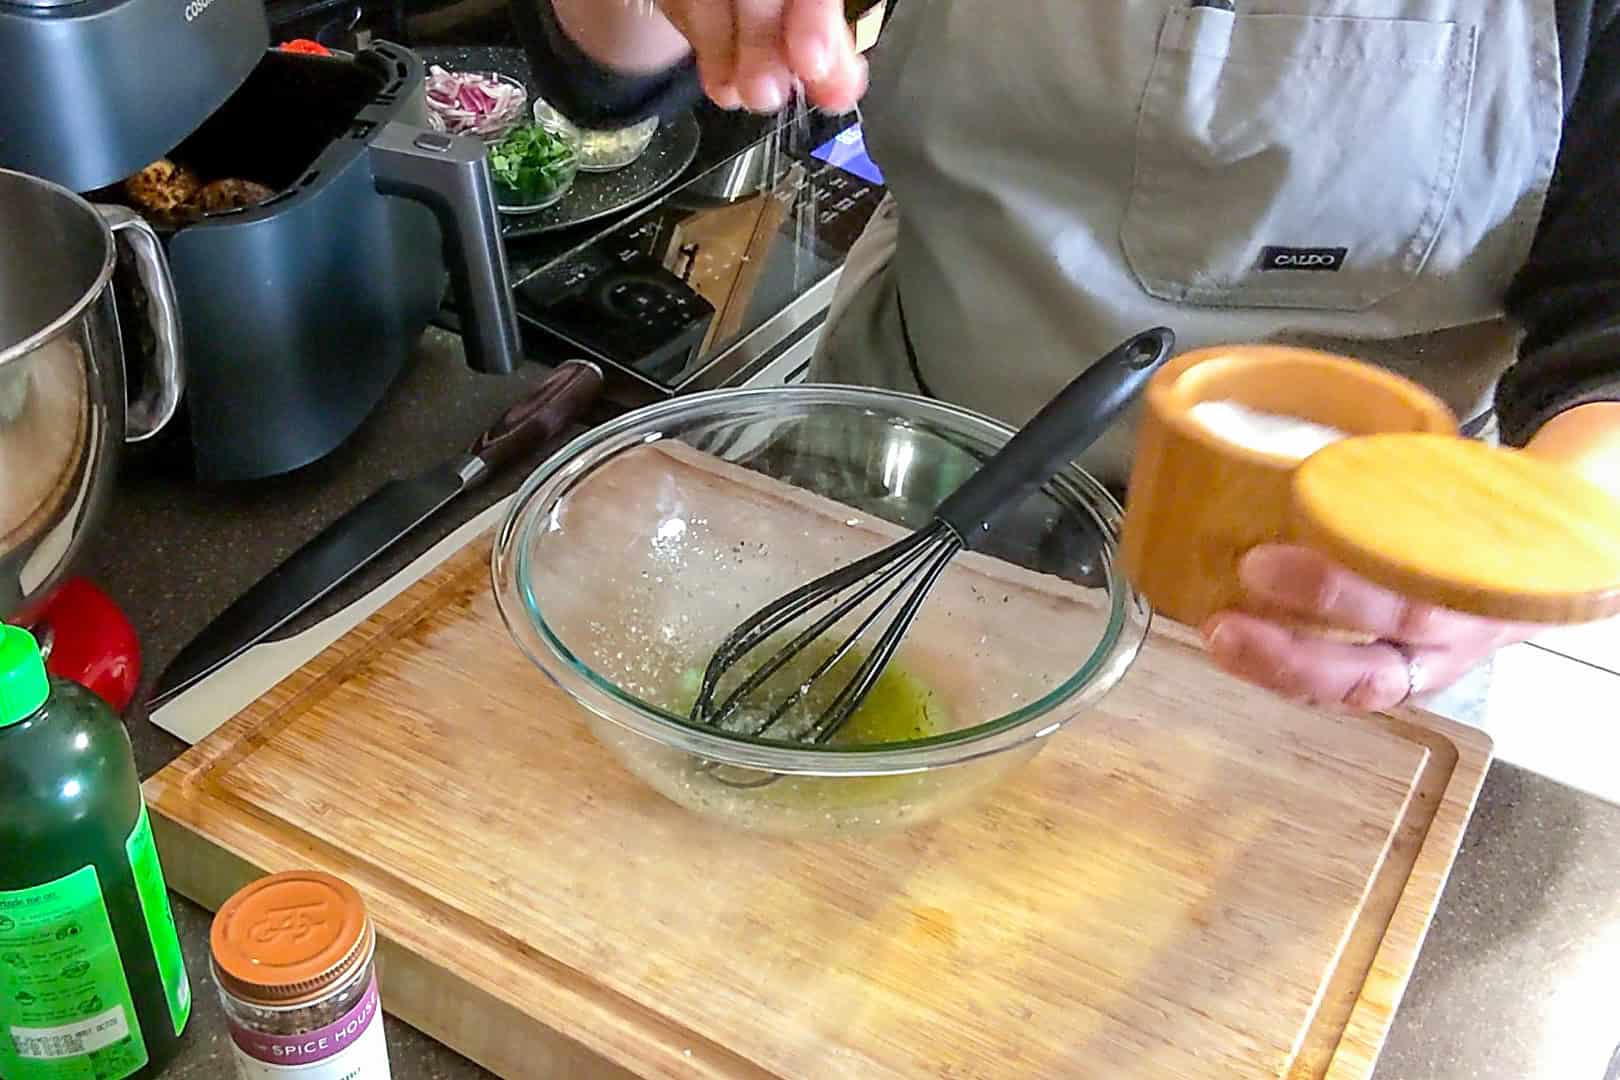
column 1194, row 881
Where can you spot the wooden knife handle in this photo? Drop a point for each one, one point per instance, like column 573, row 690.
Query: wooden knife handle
column 556, row 403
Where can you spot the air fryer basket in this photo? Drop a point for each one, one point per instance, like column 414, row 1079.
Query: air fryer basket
column 292, row 107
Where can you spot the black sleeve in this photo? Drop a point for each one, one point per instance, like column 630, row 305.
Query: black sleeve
column 589, row 93
column 1567, row 295
column 596, row 96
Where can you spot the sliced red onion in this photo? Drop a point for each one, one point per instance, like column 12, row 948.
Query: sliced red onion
column 472, row 103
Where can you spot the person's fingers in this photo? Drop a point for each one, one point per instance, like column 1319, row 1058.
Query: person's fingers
column 821, row 50
column 710, row 29
column 763, row 79
column 1303, row 582
column 750, row 52
column 1318, row 671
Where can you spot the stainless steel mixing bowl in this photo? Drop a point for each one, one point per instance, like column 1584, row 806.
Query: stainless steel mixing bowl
column 63, row 409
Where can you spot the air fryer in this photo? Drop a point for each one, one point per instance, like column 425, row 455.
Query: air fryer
column 298, row 312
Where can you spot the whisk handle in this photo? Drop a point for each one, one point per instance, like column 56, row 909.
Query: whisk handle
column 1064, row 427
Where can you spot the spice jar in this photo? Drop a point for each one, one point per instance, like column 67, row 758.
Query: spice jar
column 292, row 954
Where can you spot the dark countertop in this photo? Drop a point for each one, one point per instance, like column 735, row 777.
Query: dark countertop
column 1517, row 979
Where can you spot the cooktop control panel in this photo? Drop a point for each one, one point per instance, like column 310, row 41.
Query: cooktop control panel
column 618, row 304
column 699, row 290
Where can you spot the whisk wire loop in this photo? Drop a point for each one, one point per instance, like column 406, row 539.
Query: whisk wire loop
column 870, row 573
column 866, row 676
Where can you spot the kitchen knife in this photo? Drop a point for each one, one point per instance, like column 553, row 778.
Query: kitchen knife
column 376, row 524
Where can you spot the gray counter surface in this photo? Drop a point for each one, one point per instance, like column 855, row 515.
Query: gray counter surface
column 1517, row 980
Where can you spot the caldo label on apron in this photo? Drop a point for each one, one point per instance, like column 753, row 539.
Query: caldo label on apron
column 349, row 1048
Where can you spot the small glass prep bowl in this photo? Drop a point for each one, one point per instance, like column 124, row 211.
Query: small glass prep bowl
column 508, row 201
column 602, row 150
column 438, row 122
column 628, row 556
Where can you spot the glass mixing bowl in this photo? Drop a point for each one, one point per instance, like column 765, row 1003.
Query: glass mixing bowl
column 628, row 556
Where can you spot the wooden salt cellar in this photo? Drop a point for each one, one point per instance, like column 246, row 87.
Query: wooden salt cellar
column 1415, row 508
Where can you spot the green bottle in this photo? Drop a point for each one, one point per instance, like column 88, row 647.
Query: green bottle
column 92, row 986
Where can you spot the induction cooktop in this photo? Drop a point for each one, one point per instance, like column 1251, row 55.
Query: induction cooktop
column 695, row 291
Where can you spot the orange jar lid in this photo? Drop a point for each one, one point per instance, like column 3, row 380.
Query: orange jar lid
column 288, row 937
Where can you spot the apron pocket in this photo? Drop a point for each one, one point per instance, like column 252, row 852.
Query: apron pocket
column 1295, row 161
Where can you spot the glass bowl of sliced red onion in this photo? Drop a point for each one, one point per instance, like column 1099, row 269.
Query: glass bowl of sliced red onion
column 482, row 103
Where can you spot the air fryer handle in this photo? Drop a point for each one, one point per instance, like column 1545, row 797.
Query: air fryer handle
column 449, row 174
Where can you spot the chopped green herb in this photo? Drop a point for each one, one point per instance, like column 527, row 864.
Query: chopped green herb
column 532, row 162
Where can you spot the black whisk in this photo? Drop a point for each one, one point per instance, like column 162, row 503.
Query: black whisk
column 908, row 569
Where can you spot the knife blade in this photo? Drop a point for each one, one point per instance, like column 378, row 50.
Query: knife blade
column 372, row 527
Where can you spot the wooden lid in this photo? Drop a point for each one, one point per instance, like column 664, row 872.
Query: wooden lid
column 1470, row 527
column 289, row 937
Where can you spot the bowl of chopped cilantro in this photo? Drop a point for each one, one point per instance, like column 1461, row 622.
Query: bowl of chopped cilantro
column 533, row 166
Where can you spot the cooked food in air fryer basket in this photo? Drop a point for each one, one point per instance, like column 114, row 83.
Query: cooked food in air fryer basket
column 220, row 195
column 170, row 194
column 162, row 187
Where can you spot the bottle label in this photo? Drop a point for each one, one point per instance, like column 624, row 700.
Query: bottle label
column 349, row 1048
column 65, row 1008
column 143, row 863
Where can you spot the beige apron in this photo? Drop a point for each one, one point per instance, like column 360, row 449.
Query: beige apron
column 1365, row 176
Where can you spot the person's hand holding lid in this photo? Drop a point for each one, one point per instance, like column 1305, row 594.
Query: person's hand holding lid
column 1419, row 647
